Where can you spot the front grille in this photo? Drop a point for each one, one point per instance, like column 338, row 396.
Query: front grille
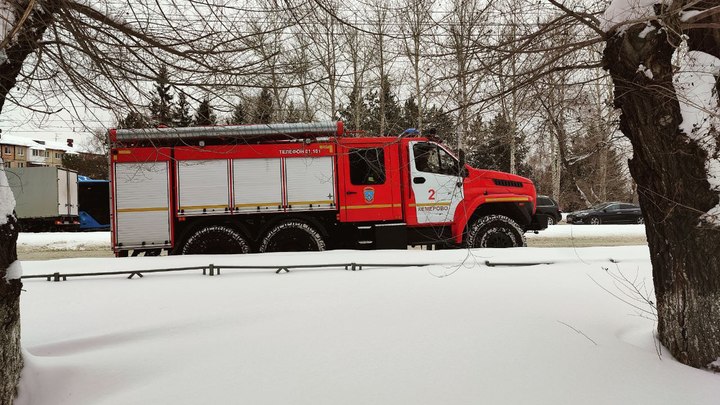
column 507, row 183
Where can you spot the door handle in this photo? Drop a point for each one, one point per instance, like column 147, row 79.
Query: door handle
column 351, row 192
column 418, row 180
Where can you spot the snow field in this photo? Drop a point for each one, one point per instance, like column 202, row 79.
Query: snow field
column 101, row 240
column 457, row 332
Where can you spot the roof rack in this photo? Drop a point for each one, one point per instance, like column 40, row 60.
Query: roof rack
column 255, row 132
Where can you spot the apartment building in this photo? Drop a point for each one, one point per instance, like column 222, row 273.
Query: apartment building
column 17, row 151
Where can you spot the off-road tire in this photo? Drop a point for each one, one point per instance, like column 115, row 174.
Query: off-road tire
column 495, row 231
column 292, row 236
column 215, row 239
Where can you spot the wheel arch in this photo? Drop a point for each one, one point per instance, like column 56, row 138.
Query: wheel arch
column 495, row 231
column 514, row 207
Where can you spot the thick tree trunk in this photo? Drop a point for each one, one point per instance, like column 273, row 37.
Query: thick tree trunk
column 25, row 41
column 10, row 355
column 674, row 192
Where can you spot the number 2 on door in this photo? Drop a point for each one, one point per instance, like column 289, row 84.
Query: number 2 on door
column 432, row 194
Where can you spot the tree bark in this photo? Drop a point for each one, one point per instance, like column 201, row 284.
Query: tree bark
column 11, row 361
column 25, row 41
column 669, row 169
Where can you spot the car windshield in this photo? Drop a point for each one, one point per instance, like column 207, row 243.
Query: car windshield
column 543, row 201
column 599, row 206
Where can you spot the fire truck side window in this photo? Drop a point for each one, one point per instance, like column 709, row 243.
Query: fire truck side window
column 367, row 166
column 431, row 158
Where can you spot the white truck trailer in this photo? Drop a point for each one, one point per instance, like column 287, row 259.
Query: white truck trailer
column 46, row 198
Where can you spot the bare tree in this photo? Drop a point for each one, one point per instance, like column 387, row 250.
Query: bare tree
column 11, row 362
column 380, row 16
column 465, row 48
column 103, row 54
column 418, row 25
column 359, row 51
column 674, row 138
column 325, row 47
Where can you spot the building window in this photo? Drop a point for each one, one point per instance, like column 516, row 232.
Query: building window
column 58, row 155
column 7, row 164
column 7, row 150
column 21, row 151
column 21, row 164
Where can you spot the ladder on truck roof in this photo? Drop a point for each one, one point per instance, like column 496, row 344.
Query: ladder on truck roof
column 247, row 133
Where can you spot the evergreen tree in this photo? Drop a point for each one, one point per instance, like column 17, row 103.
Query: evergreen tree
column 181, row 112
column 204, row 115
column 355, row 114
column 391, row 113
column 489, row 146
column 86, row 164
column 239, row 116
column 293, row 114
column 441, row 124
column 265, row 110
column 161, row 102
column 590, row 153
column 410, row 114
column 134, row 119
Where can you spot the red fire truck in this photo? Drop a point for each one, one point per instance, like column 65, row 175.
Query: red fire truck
column 306, row 186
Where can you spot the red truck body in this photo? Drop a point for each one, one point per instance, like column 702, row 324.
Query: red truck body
column 290, row 187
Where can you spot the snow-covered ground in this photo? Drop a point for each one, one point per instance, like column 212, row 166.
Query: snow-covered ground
column 587, row 231
column 455, row 332
column 101, row 240
column 63, row 241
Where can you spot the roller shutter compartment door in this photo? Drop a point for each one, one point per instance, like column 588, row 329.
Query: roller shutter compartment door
column 142, row 204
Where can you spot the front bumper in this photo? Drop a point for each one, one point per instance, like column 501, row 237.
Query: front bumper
column 575, row 220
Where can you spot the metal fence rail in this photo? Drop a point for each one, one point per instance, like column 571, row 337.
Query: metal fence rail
column 213, row 270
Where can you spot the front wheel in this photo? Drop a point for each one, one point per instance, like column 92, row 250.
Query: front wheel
column 640, row 220
column 595, row 221
column 215, row 239
column 495, row 231
column 551, row 221
column 292, row 236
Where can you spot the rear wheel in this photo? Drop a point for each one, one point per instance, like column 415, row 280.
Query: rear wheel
column 551, row 221
column 215, row 239
column 495, row 231
column 292, row 236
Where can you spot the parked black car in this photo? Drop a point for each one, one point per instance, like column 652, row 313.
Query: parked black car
column 548, row 207
column 607, row 213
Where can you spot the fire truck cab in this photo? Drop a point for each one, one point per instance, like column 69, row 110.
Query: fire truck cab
column 295, row 187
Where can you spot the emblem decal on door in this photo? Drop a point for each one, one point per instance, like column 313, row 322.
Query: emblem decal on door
column 369, row 194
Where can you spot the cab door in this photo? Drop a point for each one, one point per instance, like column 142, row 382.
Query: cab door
column 437, row 187
column 369, row 183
